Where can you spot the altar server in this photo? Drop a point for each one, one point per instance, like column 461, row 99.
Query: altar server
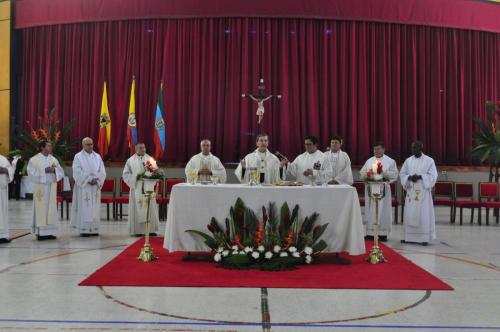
column 390, row 169
column 44, row 171
column 6, row 176
column 418, row 176
column 137, row 207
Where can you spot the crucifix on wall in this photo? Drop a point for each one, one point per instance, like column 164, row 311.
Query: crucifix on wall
column 260, row 98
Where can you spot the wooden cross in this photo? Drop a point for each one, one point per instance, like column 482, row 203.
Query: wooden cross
column 260, row 98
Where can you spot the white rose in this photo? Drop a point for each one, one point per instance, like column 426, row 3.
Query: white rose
column 235, row 252
column 292, row 249
column 296, row 254
column 255, row 255
column 217, row 257
column 261, row 248
column 283, row 254
column 225, row 253
column 242, row 253
column 220, row 249
column 268, row 255
column 308, row 259
column 277, row 249
column 248, row 249
column 148, row 174
column 234, row 247
column 308, row 250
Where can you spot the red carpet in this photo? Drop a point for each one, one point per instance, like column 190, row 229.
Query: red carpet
column 171, row 271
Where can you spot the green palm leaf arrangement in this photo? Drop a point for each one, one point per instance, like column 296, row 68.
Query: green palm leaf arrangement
column 50, row 130
column 269, row 241
column 487, row 139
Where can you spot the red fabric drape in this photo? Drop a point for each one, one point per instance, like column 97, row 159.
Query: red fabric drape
column 462, row 14
column 365, row 81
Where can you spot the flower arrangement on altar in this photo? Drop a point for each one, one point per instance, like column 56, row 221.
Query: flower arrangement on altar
column 152, row 171
column 273, row 243
column 376, row 173
column 49, row 130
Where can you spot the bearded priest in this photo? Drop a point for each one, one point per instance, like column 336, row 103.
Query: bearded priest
column 137, row 207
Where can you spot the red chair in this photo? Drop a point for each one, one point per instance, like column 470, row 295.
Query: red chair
column 120, row 200
column 464, row 199
column 108, row 189
column 60, row 196
column 488, row 191
column 360, row 188
column 68, row 198
column 443, row 196
column 169, row 184
column 394, row 200
column 161, row 200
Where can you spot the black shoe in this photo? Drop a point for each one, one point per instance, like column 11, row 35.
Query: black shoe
column 403, row 241
column 4, row 241
column 152, row 234
column 425, row 244
column 368, row 237
column 89, row 234
column 383, row 238
column 45, row 237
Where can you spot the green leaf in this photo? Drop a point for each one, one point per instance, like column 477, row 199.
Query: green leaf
column 209, row 241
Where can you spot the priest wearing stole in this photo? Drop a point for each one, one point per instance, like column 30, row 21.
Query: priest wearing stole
column 312, row 163
column 137, row 207
column 340, row 161
column 6, row 176
column 266, row 163
column 418, row 176
column 385, row 204
column 89, row 174
column 44, row 171
column 206, row 164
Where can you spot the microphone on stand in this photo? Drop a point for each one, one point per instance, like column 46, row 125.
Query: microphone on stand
column 280, row 156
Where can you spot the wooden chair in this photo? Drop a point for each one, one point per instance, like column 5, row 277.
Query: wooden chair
column 122, row 198
column 490, row 192
column 108, row 195
column 394, row 200
column 360, row 188
column 443, row 195
column 464, row 199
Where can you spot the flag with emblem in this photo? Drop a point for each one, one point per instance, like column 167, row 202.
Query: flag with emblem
column 132, row 124
column 104, row 126
column 159, row 126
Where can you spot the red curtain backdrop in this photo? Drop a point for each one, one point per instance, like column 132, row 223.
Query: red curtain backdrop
column 364, row 81
column 463, row 14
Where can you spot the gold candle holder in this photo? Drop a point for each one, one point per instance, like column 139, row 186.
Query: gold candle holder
column 147, row 254
column 376, row 255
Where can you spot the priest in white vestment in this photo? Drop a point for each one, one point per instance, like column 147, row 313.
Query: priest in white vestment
column 206, row 165
column 340, row 161
column 44, row 171
column 390, row 168
column 137, row 207
column 263, row 161
column 89, row 174
column 311, row 166
column 6, row 176
column 418, row 176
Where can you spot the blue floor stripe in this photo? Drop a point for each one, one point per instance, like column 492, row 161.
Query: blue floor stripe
column 420, row 327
